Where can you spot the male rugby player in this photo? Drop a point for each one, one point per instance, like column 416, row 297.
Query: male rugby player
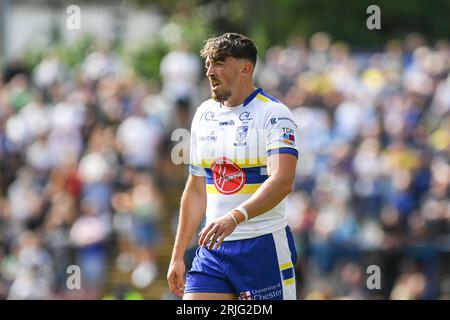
column 243, row 160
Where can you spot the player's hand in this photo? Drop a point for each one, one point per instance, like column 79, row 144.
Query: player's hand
column 216, row 231
column 175, row 277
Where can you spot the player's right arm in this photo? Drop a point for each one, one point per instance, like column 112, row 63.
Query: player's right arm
column 192, row 211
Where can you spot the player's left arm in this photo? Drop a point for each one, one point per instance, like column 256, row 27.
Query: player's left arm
column 282, row 154
column 281, row 168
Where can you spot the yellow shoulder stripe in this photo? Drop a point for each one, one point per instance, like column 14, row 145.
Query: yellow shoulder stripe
column 259, row 96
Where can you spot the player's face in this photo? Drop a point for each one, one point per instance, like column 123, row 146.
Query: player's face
column 223, row 76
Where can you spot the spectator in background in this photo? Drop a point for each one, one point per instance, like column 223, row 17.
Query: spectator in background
column 22, row 214
column 123, row 227
column 146, row 206
column 138, row 140
column 56, row 231
column 49, row 71
column 89, row 234
column 180, row 73
column 95, row 173
column 101, row 62
column 34, row 274
column 20, row 92
column 16, row 66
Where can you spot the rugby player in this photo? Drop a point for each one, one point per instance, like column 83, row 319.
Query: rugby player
column 243, row 160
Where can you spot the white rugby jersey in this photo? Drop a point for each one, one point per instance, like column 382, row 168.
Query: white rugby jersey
column 230, row 145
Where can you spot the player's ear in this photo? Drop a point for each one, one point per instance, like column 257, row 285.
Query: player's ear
column 247, row 68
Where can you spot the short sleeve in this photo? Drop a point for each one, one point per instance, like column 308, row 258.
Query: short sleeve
column 281, row 131
column 195, row 167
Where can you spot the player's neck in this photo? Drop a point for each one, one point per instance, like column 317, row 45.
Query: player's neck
column 238, row 97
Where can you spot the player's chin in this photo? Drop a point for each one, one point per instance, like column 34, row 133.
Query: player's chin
column 214, row 96
column 219, row 96
column 215, row 92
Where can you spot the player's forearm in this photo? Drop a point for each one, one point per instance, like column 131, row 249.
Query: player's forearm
column 271, row 192
column 192, row 210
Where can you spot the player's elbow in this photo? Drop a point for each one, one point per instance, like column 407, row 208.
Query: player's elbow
column 288, row 188
column 284, row 186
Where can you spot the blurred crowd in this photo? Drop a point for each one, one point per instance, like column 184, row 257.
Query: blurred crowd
column 373, row 180
column 83, row 152
column 87, row 178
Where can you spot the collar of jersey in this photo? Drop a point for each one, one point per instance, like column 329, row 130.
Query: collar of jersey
column 252, row 96
column 247, row 100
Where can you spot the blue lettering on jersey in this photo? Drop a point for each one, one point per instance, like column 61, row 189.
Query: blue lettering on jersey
column 288, row 130
column 227, row 123
column 245, row 116
column 287, row 119
column 209, row 116
column 210, row 137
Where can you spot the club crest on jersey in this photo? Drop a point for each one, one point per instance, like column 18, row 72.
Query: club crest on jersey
column 228, row 177
column 241, row 136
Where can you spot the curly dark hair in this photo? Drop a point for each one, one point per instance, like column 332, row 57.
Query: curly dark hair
column 229, row 45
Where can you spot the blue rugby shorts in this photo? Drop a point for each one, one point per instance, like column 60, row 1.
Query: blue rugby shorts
column 260, row 268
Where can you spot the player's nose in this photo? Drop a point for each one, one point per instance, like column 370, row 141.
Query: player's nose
column 210, row 71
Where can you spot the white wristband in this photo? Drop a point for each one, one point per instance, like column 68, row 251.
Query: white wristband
column 243, row 210
column 234, row 219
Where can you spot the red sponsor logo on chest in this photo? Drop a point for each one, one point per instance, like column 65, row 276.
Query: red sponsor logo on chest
column 228, row 177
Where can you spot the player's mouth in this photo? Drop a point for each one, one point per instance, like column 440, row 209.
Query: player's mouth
column 214, row 84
